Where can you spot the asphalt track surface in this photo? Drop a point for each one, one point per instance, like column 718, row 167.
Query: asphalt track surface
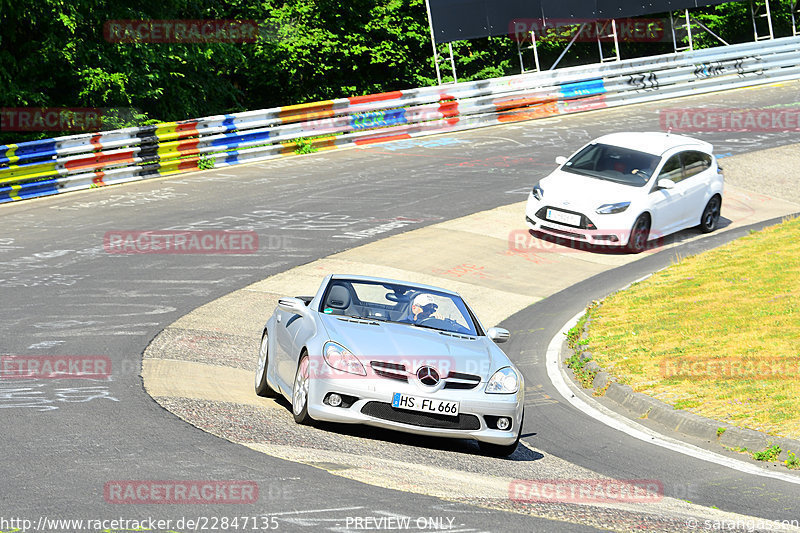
column 62, row 294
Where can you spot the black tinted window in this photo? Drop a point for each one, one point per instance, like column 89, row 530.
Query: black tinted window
column 695, row 162
column 672, row 169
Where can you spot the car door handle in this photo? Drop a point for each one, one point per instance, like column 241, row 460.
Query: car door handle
column 278, row 318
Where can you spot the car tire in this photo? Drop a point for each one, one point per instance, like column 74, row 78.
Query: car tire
column 637, row 242
column 502, row 450
column 262, row 387
column 300, row 391
column 710, row 217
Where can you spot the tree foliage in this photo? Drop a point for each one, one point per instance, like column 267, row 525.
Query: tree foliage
column 53, row 53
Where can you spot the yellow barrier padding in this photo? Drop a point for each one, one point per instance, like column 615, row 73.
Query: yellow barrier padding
column 10, row 153
column 18, row 173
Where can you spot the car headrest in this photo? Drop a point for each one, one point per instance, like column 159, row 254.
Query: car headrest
column 339, row 297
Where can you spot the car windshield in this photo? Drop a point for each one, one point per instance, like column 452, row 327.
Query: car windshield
column 397, row 303
column 613, row 163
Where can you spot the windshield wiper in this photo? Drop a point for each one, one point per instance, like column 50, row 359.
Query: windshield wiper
column 426, row 327
column 376, row 319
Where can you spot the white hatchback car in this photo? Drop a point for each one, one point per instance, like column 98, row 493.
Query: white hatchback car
column 625, row 189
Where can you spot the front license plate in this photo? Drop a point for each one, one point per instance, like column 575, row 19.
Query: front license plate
column 425, row 405
column 564, row 218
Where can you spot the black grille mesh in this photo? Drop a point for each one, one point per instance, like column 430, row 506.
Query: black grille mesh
column 385, row 411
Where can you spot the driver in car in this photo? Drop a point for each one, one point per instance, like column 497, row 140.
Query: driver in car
column 423, row 307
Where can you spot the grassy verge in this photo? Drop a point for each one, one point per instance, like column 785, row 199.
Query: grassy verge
column 717, row 334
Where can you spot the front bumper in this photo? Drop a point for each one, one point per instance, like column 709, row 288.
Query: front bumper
column 372, row 406
column 600, row 230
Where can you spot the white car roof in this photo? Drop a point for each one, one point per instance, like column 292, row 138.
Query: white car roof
column 653, row 142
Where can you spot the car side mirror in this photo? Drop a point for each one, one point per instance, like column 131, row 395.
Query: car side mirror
column 665, row 183
column 498, row 335
column 293, row 305
column 560, row 160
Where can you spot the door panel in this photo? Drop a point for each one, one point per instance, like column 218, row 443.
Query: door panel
column 697, row 172
column 286, row 362
column 666, row 203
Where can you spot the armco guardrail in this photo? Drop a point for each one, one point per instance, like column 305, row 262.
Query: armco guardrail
column 75, row 162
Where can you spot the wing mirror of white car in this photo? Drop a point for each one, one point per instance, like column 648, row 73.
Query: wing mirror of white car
column 560, row 160
column 293, row 305
column 665, row 183
column 498, row 335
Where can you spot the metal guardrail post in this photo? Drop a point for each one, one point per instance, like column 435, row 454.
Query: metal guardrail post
column 756, row 13
column 532, row 47
column 613, row 34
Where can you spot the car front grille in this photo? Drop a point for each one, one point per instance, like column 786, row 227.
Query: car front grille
column 389, row 370
column 557, row 231
column 459, row 380
column 385, row 411
column 398, row 372
column 541, row 214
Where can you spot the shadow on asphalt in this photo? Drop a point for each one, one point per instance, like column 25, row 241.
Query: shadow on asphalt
column 652, row 246
column 465, row 446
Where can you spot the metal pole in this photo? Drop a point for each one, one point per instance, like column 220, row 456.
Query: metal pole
column 689, row 29
column 769, row 19
column 433, row 43
column 452, row 62
column 574, row 38
column 674, row 37
column 720, row 39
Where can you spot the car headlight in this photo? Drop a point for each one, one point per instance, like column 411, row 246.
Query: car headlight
column 610, row 209
column 340, row 358
column 504, row 381
column 537, row 192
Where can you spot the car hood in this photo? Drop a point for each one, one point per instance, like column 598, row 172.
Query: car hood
column 415, row 347
column 583, row 193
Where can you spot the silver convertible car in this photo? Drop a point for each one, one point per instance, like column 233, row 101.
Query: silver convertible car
column 395, row 355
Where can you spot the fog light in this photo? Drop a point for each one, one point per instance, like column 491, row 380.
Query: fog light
column 334, row 400
column 503, row 423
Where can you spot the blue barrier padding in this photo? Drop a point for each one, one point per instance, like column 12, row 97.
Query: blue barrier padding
column 29, row 190
column 229, row 123
column 238, row 138
column 583, row 88
column 42, row 149
column 374, row 119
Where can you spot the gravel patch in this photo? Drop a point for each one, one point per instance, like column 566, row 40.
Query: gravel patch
column 777, row 178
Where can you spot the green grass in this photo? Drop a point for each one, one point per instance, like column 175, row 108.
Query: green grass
column 733, row 313
column 770, row 454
